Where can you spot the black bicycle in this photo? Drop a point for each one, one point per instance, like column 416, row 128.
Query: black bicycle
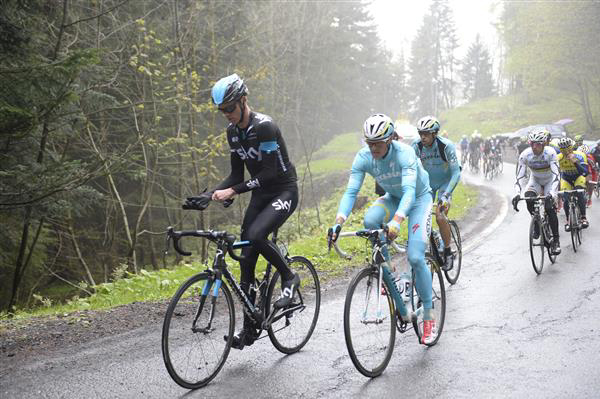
column 574, row 221
column 540, row 234
column 199, row 324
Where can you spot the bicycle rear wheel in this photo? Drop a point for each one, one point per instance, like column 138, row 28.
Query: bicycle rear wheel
column 369, row 323
column 452, row 275
column 294, row 325
column 438, row 297
column 536, row 245
column 196, row 321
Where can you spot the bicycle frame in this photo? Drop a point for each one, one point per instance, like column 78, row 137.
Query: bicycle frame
column 226, row 244
column 377, row 261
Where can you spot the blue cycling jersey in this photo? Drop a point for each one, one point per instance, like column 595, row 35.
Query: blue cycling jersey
column 442, row 173
column 399, row 173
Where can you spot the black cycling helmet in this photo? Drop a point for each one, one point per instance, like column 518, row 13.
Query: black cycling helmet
column 227, row 89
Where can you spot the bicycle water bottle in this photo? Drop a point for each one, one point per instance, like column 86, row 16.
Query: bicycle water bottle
column 437, row 239
column 404, row 286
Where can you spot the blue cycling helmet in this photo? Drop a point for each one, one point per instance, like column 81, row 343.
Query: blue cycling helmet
column 428, row 124
column 227, row 89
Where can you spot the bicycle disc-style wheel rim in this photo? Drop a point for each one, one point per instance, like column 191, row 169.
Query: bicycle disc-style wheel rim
column 438, row 301
column 370, row 345
column 193, row 359
column 452, row 275
column 536, row 246
column 290, row 333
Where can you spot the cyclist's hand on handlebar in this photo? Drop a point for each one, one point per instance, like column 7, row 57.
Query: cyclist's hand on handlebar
column 515, row 202
column 332, row 234
column 394, row 228
column 199, row 203
column 223, row 195
column 443, row 202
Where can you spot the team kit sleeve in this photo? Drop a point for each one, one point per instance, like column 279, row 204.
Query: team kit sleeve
column 409, row 162
column 236, row 175
column 521, row 173
column 454, row 167
column 268, row 148
column 555, row 173
column 357, row 176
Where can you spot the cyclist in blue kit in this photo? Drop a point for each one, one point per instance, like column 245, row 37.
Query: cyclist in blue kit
column 399, row 172
column 439, row 160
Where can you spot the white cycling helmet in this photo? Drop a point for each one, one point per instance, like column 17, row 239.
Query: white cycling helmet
column 565, row 142
column 538, row 135
column 584, row 148
column 378, row 127
column 428, row 124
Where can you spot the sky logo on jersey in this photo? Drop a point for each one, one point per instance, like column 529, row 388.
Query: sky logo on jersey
column 251, row 153
column 279, row 205
column 252, row 184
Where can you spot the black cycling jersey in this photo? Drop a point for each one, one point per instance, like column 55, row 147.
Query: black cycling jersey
column 261, row 148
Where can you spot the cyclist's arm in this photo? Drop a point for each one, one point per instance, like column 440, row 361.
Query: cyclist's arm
column 521, row 174
column 581, row 165
column 554, row 168
column 409, row 164
column 268, row 148
column 357, row 176
column 454, row 167
column 236, row 175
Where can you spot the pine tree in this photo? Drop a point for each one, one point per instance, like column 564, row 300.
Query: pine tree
column 476, row 72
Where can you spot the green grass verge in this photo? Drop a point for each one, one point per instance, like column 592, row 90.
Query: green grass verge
column 304, row 233
column 508, row 113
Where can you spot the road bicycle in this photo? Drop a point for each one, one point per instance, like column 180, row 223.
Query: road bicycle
column 540, row 234
column 373, row 305
column 436, row 249
column 574, row 221
column 474, row 161
column 199, row 323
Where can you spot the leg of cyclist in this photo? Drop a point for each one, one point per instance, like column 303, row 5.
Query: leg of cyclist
column 265, row 213
column 532, row 192
column 381, row 211
column 441, row 218
column 565, row 185
column 550, row 206
column 419, row 225
column 580, row 183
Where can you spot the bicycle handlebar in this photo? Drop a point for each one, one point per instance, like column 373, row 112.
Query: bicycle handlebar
column 212, row 235
column 365, row 234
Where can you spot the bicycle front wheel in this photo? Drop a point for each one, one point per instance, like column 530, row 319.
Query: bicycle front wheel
column 200, row 314
column 574, row 224
column 452, row 275
column 293, row 327
column 369, row 323
column 536, row 245
column 438, row 297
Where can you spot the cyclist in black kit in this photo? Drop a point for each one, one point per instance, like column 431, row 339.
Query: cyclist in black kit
column 256, row 141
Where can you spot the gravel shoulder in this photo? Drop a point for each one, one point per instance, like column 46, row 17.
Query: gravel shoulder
column 22, row 340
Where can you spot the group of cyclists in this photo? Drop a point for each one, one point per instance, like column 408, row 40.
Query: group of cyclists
column 411, row 178
column 557, row 164
column 481, row 153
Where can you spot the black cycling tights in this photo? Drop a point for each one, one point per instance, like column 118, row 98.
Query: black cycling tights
column 550, row 211
column 266, row 212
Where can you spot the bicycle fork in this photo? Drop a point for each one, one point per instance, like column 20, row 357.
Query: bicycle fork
column 215, row 284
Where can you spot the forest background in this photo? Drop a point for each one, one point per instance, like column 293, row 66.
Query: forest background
column 106, row 121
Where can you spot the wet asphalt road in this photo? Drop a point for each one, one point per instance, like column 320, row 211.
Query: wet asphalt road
column 508, row 333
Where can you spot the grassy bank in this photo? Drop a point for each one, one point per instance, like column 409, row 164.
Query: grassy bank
column 305, row 233
column 508, row 113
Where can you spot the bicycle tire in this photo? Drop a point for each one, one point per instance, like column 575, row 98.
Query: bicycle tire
column 597, row 189
column 452, row 275
column 291, row 332
column 573, row 223
column 188, row 354
column 438, row 299
column 368, row 357
column 535, row 243
column 548, row 242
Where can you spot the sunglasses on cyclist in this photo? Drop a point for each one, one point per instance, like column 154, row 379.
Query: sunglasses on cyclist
column 229, row 109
